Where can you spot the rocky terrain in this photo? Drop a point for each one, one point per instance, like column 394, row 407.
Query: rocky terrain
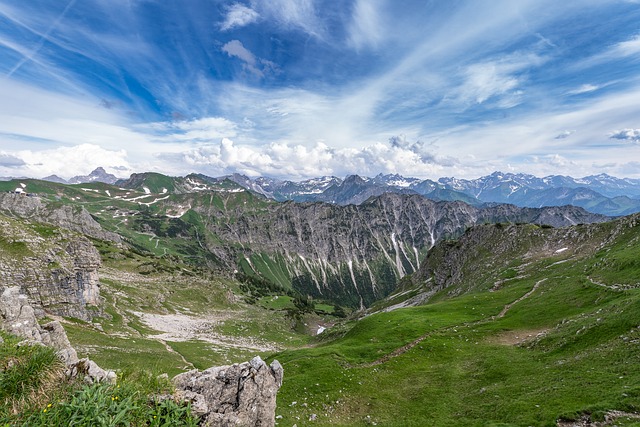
column 66, row 216
column 56, row 268
column 352, row 253
column 237, row 395
column 535, row 306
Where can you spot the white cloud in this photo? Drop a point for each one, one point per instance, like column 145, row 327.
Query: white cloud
column 367, row 27
column 256, row 66
column 627, row 48
column 585, row 88
column 626, row 135
column 65, row 161
column 498, row 80
column 554, row 160
column 197, row 130
column 238, row 16
column 237, row 49
column 285, row 160
column 292, row 14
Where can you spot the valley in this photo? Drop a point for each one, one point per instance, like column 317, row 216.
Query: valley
column 471, row 316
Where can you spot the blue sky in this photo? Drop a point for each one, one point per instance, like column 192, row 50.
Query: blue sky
column 302, row 88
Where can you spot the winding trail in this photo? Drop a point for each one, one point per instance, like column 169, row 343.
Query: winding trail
column 171, row 350
column 401, row 350
column 523, row 297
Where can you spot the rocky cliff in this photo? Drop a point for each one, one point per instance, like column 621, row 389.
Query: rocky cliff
column 355, row 253
column 70, row 217
column 453, row 264
column 57, row 269
column 238, row 395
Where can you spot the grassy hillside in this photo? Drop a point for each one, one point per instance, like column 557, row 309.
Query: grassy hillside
column 559, row 339
column 519, row 324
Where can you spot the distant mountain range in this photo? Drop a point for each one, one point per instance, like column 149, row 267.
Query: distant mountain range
column 603, row 194
column 98, row 175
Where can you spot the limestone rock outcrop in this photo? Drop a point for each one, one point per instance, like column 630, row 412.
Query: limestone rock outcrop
column 70, row 217
column 56, row 269
column 19, row 318
column 238, row 395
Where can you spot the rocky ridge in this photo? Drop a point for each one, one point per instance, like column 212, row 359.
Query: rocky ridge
column 238, row 395
column 57, row 269
column 70, row 217
column 450, row 263
column 353, row 253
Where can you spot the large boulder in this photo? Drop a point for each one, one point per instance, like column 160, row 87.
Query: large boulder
column 238, row 395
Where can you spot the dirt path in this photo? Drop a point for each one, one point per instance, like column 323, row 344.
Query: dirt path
column 395, row 353
column 401, row 350
column 523, row 297
column 171, row 350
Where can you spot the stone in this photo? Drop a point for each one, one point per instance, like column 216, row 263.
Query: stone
column 56, row 337
column 58, row 274
column 238, row 395
column 91, row 371
column 18, row 317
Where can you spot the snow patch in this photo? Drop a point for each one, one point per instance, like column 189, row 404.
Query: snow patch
column 146, row 190
column 559, row 251
column 155, row 201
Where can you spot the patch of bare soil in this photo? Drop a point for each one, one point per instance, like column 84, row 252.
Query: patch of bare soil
column 181, row 327
column 610, row 419
column 517, row 337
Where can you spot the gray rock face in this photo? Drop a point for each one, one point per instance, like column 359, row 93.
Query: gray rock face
column 69, row 217
column 355, row 254
column 57, row 270
column 237, row 395
column 18, row 318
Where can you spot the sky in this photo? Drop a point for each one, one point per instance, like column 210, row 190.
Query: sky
column 294, row 89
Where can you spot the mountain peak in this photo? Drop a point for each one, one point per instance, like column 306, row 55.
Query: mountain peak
column 97, row 175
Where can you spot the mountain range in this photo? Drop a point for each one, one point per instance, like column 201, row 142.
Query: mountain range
column 602, row 194
column 347, row 253
column 457, row 313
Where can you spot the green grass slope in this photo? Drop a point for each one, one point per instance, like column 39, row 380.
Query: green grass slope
column 529, row 335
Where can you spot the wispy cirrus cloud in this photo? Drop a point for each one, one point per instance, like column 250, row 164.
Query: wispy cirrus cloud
column 238, row 15
column 367, row 28
column 498, row 80
column 292, row 14
column 585, row 88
